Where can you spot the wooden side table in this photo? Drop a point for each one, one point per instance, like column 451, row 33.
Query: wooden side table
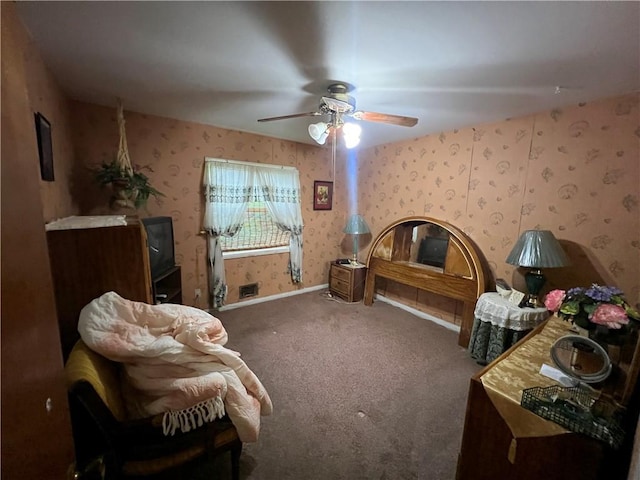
column 347, row 281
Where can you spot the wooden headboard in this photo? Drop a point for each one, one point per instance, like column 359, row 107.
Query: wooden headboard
column 459, row 275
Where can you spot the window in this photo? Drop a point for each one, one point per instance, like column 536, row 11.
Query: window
column 258, row 231
column 251, row 200
column 247, row 200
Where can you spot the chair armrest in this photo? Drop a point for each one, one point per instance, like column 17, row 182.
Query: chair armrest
column 83, row 396
column 143, row 438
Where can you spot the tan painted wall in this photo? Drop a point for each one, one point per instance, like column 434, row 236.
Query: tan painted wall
column 46, row 97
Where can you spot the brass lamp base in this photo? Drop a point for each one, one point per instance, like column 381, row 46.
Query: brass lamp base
column 532, row 301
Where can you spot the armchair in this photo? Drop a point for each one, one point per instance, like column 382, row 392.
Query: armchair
column 101, row 427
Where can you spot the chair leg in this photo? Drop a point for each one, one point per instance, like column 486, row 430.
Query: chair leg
column 236, row 451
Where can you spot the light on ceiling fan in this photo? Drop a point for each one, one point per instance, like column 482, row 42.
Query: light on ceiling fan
column 319, row 132
column 351, row 133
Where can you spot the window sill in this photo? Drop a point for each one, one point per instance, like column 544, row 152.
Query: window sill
column 255, row 253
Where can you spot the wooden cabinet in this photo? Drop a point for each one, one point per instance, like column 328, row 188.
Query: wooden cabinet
column 167, row 288
column 347, row 281
column 490, row 451
column 88, row 262
column 502, row 440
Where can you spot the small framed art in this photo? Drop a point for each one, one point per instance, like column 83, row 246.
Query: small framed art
column 45, row 147
column 322, row 195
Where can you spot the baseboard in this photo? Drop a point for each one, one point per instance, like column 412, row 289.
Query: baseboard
column 382, row 298
column 269, row 298
column 418, row 313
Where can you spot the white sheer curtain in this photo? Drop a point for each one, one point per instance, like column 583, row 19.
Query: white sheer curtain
column 228, row 188
column 280, row 190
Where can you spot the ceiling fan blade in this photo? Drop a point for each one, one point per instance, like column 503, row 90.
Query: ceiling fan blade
column 385, row 118
column 295, row 115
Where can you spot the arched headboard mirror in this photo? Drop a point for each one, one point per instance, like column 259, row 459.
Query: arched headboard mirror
column 431, row 255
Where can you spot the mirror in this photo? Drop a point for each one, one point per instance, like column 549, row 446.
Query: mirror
column 581, row 358
column 429, row 244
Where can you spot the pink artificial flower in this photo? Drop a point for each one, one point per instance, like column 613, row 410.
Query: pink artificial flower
column 553, row 300
column 612, row 316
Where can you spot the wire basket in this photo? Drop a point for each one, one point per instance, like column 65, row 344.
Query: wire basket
column 576, row 409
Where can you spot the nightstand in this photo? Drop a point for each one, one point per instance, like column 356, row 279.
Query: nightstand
column 347, row 281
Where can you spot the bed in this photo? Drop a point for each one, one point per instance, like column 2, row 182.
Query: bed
column 431, row 255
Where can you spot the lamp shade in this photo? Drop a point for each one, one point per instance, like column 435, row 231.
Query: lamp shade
column 538, row 249
column 356, row 225
column 351, row 134
column 319, row 132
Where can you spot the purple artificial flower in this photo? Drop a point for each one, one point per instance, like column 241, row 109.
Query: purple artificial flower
column 601, row 293
column 575, row 291
column 599, row 304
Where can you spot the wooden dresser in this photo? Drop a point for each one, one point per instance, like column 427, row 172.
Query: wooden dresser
column 87, row 262
column 502, row 440
column 347, row 281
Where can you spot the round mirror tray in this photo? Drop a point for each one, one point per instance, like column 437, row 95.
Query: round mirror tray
column 581, row 358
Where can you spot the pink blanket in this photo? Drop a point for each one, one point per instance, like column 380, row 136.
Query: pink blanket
column 175, row 362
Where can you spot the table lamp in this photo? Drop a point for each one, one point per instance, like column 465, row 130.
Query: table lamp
column 537, row 249
column 356, row 225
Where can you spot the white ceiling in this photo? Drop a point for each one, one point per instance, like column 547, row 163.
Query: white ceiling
column 450, row 64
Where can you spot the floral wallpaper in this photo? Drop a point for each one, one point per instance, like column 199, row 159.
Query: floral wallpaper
column 171, row 153
column 574, row 171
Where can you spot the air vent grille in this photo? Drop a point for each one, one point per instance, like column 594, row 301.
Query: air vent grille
column 250, row 290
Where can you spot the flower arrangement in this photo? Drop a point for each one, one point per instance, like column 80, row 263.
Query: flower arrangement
column 592, row 306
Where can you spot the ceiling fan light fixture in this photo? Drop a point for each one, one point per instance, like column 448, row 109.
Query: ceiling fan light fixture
column 319, row 132
column 338, row 104
column 351, row 134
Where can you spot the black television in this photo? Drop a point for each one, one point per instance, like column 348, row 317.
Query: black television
column 160, row 240
column 433, row 251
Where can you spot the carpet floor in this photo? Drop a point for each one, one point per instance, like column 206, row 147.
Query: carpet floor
column 358, row 392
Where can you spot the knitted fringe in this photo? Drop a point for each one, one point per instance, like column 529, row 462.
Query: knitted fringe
column 192, row 417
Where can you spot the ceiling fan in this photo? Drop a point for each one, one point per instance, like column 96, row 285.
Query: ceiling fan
column 338, row 104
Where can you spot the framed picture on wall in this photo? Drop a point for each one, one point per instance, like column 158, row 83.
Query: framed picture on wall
column 322, row 195
column 45, row 147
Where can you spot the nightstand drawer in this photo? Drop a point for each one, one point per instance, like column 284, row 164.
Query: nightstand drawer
column 339, row 285
column 347, row 281
column 342, row 273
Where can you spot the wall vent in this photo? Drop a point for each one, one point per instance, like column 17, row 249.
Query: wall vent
column 250, row 290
